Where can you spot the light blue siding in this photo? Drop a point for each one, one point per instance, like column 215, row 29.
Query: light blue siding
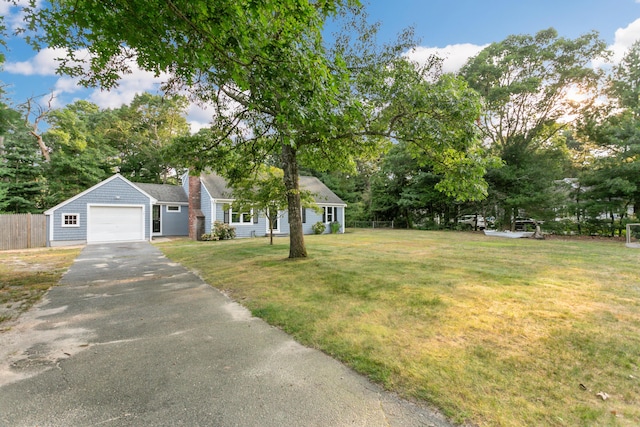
column 313, row 217
column 175, row 223
column 244, row 230
column 114, row 192
column 205, row 207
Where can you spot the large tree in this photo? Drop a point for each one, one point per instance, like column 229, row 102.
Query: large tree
column 21, row 174
column 264, row 191
column 380, row 98
column 141, row 133
column 612, row 182
column 403, row 191
column 80, row 156
column 264, row 55
column 277, row 89
column 526, row 84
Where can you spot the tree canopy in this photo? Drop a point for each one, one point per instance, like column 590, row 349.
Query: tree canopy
column 525, row 82
column 278, row 90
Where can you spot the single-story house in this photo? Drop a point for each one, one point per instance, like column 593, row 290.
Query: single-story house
column 118, row 210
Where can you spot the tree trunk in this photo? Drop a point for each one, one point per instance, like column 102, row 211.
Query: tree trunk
column 296, row 236
column 43, row 148
column 270, row 230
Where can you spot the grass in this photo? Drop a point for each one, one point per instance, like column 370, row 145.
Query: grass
column 26, row 275
column 494, row 332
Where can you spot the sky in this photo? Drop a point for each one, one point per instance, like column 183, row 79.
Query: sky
column 453, row 29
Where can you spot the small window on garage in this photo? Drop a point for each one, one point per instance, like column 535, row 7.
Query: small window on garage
column 71, row 220
column 173, row 208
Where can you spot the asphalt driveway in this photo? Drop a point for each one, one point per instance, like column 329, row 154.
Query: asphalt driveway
column 132, row 339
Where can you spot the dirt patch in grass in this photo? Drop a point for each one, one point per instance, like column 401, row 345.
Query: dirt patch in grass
column 27, row 275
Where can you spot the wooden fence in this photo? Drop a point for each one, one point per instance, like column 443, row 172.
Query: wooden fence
column 22, row 231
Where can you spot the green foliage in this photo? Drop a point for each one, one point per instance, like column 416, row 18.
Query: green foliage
column 561, row 227
column 318, row 228
column 221, row 231
column 334, row 227
column 142, row 133
column 277, row 90
column 21, row 176
column 352, row 187
column 624, row 85
column 612, row 180
column 80, row 156
column 404, row 191
column 524, row 81
column 264, row 191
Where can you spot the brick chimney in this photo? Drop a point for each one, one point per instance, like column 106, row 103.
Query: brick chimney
column 196, row 217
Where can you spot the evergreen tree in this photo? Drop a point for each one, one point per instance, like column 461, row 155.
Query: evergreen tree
column 21, row 174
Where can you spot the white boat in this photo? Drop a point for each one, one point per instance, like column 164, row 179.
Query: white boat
column 508, row 234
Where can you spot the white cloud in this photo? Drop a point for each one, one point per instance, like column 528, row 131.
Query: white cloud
column 13, row 14
column 138, row 81
column 67, row 85
column 454, row 56
column 199, row 117
column 43, row 64
column 624, row 38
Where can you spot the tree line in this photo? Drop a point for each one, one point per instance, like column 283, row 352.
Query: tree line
column 528, row 127
column 83, row 145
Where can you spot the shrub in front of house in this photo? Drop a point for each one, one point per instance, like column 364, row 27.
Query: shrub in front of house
column 318, row 227
column 334, row 227
column 223, row 231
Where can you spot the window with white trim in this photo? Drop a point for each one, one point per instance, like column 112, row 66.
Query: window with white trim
column 71, row 220
column 241, row 217
column 329, row 214
column 174, row 208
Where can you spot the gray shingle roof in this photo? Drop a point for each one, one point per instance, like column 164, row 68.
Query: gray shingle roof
column 217, row 188
column 164, row 193
column 321, row 193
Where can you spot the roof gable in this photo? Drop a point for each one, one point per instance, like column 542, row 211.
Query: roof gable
column 321, row 193
column 98, row 185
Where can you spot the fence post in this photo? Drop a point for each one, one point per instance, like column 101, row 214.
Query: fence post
column 28, row 230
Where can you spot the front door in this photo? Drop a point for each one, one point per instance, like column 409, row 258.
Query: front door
column 156, row 219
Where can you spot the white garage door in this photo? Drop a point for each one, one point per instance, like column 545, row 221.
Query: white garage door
column 115, row 224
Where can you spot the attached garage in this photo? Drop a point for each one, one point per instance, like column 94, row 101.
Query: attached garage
column 115, row 223
column 114, row 210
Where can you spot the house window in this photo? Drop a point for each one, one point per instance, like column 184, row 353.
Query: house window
column 71, row 220
column 241, row 217
column 173, row 208
column 329, row 214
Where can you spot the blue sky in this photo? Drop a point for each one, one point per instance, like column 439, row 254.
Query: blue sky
column 454, row 29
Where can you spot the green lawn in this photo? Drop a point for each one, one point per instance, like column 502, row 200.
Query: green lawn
column 495, row 332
